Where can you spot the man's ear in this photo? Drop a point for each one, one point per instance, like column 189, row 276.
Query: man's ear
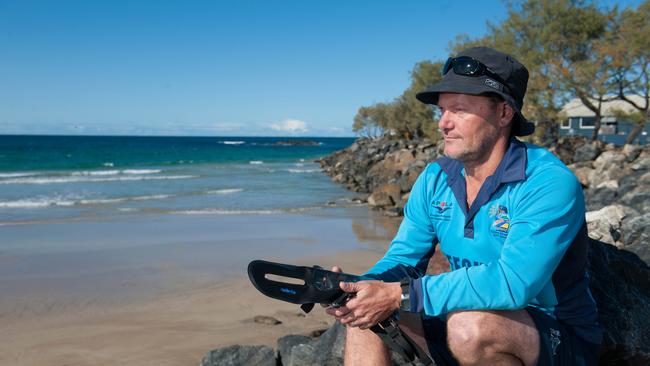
column 506, row 115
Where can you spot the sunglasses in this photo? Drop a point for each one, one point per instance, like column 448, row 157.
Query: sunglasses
column 467, row 66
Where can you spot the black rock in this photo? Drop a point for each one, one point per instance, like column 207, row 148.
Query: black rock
column 598, row 198
column 325, row 350
column 240, row 355
column 636, row 236
column 287, row 343
column 587, row 152
column 620, row 284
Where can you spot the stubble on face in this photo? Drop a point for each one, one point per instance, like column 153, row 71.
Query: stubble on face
column 470, row 131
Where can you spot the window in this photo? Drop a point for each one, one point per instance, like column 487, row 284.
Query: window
column 566, row 124
column 587, row 122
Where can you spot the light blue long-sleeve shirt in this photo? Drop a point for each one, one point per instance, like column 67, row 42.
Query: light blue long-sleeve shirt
column 523, row 242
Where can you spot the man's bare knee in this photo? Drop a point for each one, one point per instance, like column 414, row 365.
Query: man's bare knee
column 364, row 347
column 507, row 336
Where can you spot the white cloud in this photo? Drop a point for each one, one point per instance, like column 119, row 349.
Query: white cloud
column 292, row 126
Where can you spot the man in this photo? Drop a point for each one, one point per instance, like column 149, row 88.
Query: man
column 510, row 218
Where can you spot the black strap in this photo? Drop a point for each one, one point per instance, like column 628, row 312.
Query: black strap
column 388, row 330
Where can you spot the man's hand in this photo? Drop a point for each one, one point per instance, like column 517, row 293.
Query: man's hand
column 374, row 302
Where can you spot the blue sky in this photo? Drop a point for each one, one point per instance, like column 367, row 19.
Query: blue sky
column 216, row 68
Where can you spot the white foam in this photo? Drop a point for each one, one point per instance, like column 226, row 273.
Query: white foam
column 95, row 173
column 100, row 201
column 68, row 201
column 225, row 191
column 141, row 171
column 89, row 179
column 232, row 142
column 108, row 164
column 303, row 170
column 14, row 175
column 256, row 162
column 36, row 203
column 216, row 211
column 152, row 197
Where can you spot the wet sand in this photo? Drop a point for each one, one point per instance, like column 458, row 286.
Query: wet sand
column 164, row 290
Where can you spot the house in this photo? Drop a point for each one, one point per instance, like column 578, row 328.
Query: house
column 580, row 121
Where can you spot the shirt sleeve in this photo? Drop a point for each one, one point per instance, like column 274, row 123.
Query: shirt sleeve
column 545, row 220
column 412, row 247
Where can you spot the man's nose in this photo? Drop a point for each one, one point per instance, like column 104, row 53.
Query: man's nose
column 445, row 122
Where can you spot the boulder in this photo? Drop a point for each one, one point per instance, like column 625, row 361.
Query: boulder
column 240, row 355
column 407, row 180
column 393, row 165
column 636, row 235
column 620, row 284
column 609, row 159
column 631, row 152
column 638, row 199
column 642, row 162
column 587, row 152
column 386, row 195
column 598, row 198
column 605, row 224
column 325, row 350
column 286, row 345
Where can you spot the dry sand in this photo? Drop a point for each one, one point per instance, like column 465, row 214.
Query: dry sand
column 170, row 329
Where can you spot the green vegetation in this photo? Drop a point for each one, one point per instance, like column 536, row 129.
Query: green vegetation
column 572, row 48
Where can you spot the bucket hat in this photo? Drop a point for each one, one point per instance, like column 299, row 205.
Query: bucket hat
column 480, row 71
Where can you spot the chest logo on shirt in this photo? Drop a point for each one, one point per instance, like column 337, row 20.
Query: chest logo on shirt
column 500, row 220
column 441, row 206
column 441, row 210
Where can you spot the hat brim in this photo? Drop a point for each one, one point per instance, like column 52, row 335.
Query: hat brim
column 453, row 83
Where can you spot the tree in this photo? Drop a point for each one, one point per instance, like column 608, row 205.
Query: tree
column 631, row 59
column 405, row 116
column 370, row 121
column 564, row 43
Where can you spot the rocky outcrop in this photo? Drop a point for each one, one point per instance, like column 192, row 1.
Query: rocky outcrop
column 240, row 355
column 369, row 164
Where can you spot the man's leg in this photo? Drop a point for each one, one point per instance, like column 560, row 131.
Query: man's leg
column 493, row 338
column 364, row 347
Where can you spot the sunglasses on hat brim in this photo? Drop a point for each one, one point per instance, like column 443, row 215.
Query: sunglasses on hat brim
column 468, row 66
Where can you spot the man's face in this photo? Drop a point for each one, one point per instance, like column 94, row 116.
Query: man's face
column 469, row 125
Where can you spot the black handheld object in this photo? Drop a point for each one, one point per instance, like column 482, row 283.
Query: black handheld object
column 320, row 285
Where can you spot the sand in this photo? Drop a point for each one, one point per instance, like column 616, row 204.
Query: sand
column 177, row 324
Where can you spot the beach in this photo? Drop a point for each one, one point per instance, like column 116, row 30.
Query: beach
column 133, row 250
column 165, row 289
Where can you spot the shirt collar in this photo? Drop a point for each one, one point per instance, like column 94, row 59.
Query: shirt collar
column 512, row 167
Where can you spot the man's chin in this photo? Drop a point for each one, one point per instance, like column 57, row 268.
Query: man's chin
column 455, row 154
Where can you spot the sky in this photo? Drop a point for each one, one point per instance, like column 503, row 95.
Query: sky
column 217, row 68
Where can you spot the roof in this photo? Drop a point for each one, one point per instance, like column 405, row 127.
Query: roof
column 575, row 108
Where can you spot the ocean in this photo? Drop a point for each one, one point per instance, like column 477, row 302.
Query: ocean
column 66, row 178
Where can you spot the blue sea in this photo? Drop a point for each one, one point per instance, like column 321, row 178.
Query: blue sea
column 64, row 178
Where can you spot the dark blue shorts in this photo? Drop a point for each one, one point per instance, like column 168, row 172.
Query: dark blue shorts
column 559, row 346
